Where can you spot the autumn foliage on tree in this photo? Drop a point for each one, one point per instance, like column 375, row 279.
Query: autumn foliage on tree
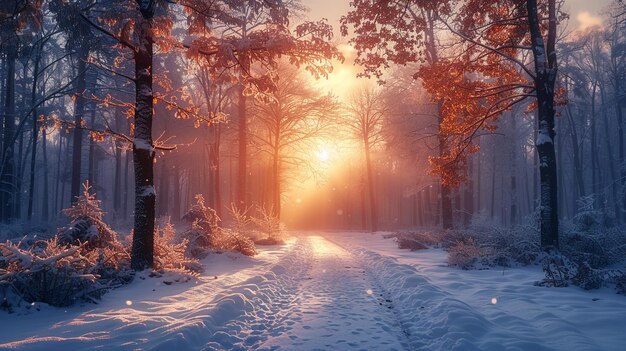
column 494, row 55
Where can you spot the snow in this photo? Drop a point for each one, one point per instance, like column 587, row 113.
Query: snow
column 147, row 191
column 331, row 291
column 142, row 144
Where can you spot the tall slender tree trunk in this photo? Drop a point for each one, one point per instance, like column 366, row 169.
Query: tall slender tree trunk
column 79, row 113
column 142, row 254
column 446, row 191
column 468, row 196
column 609, row 148
column 493, row 184
column 620, row 136
column 117, row 177
column 242, row 132
column 7, row 176
column 217, row 179
column 276, row 180
column 33, row 155
column 545, row 77
column 370, row 186
column 513, row 206
column 45, row 197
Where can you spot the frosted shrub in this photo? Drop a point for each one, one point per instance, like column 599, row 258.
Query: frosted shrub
column 86, row 224
column 205, row 217
column 227, row 239
column 172, row 256
column 464, row 254
column 587, row 277
column 50, row 272
column 204, row 226
column 559, row 270
column 205, row 234
column 81, row 262
column 270, row 227
column 242, row 222
column 414, row 241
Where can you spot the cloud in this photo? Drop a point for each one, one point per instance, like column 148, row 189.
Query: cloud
column 586, row 20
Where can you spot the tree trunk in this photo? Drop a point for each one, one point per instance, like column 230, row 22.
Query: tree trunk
column 7, row 176
column 545, row 76
column 142, row 253
column 513, row 199
column 468, row 196
column 33, row 155
column 217, row 182
column 620, row 135
column 117, row 177
column 370, row 188
column 79, row 112
column 45, row 198
column 242, row 131
column 446, row 198
column 276, row 179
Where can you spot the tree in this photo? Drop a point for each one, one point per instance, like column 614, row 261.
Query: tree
column 149, row 24
column 495, row 38
column 403, row 32
column 366, row 113
column 289, row 124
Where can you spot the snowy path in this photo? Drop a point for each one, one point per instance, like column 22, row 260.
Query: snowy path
column 336, row 307
column 332, row 291
column 312, row 295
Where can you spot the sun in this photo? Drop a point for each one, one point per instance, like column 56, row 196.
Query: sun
column 323, row 154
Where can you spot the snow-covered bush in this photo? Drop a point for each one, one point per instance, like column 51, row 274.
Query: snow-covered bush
column 464, row 254
column 50, row 272
column 227, row 239
column 559, row 270
column 203, row 216
column 270, row 227
column 171, row 255
column 86, row 224
column 204, row 226
column 205, row 233
column 414, row 240
column 587, row 277
column 81, row 262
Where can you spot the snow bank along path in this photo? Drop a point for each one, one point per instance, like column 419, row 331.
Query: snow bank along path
column 309, row 295
column 443, row 308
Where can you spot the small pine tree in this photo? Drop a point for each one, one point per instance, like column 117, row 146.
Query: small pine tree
column 86, row 224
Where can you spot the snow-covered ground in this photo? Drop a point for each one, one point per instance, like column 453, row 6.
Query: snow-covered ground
column 332, row 291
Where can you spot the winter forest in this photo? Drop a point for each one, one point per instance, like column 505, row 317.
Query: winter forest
column 312, row 175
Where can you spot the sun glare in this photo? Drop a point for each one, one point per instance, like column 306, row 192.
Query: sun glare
column 323, row 154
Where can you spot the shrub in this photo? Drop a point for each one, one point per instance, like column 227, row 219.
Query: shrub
column 86, row 224
column 227, row 239
column 414, row 241
column 270, row 227
column 464, row 254
column 81, row 262
column 50, row 272
column 172, row 256
column 203, row 216
column 559, row 270
column 205, row 234
column 587, row 277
